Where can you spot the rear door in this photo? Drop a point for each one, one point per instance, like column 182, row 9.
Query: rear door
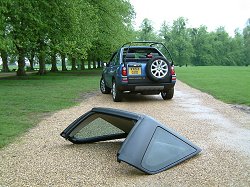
column 138, row 60
column 111, row 69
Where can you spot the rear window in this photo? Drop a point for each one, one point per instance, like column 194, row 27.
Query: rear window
column 140, row 53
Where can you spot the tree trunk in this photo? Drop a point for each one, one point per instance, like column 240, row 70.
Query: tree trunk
column 63, row 56
column 89, row 63
column 73, row 63
column 31, row 59
column 94, row 64
column 98, row 63
column 42, row 70
column 53, row 62
column 4, row 56
column 82, row 64
column 21, row 63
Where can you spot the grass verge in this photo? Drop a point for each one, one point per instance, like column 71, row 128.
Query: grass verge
column 230, row 84
column 24, row 99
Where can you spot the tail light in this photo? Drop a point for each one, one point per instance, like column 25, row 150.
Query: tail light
column 124, row 71
column 173, row 74
column 149, row 56
column 172, row 70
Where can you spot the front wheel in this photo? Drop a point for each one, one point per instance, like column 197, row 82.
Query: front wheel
column 104, row 89
column 116, row 94
column 167, row 94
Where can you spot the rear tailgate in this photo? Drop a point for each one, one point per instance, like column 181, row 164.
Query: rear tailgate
column 137, row 74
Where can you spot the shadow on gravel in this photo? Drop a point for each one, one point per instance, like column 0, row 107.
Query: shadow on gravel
column 107, row 144
column 98, row 148
column 141, row 98
column 106, row 151
column 243, row 108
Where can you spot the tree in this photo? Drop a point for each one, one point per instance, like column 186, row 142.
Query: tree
column 114, row 27
column 222, row 47
column 236, row 52
column 52, row 22
column 21, row 21
column 246, row 35
column 146, row 32
column 73, row 29
column 201, row 42
column 31, row 57
column 165, row 32
column 5, row 40
column 4, row 57
column 182, row 48
column 83, row 31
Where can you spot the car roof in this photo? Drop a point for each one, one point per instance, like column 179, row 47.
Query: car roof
column 148, row 146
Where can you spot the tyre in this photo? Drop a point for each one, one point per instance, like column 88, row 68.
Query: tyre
column 104, row 89
column 157, row 68
column 116, row 94
column 167, row 94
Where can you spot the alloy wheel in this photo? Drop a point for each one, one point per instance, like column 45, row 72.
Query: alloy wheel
column 159, row 68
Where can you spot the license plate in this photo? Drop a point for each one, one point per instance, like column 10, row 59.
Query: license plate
column 135, row 70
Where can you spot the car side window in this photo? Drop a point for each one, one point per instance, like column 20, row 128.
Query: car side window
column 115, row 59
column 112, row 61
column 101, row 127
column 165, row 149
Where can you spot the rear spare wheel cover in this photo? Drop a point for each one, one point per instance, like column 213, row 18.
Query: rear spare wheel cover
column 157, row 68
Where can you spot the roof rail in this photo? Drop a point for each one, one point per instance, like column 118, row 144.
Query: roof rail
column 142, row 42
column 151, row 43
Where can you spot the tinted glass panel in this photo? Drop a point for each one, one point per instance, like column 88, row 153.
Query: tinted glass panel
column 99, row 125
column 140, row 52
column 165, row 149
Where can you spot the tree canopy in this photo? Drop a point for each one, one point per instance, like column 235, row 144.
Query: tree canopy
column 78, row 29
column 197, row 46
column 90, row 30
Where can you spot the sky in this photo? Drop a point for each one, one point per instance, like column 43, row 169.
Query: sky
column 230, row 14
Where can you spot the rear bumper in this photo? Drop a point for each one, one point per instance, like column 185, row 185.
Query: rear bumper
column 141, row 84
column 145, row 87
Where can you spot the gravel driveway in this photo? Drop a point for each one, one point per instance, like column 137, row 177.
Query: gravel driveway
column 42, row 158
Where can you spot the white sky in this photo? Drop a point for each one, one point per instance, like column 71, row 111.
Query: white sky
column 231, row 14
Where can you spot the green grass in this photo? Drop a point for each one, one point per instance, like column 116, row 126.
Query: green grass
column 24, row 100
column 229, row 84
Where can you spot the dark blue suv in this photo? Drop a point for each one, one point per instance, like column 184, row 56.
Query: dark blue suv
column 141, row 69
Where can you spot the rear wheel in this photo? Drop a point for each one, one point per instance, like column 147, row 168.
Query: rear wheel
column 167, row 94
column 116, row 94
column 104, row 89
